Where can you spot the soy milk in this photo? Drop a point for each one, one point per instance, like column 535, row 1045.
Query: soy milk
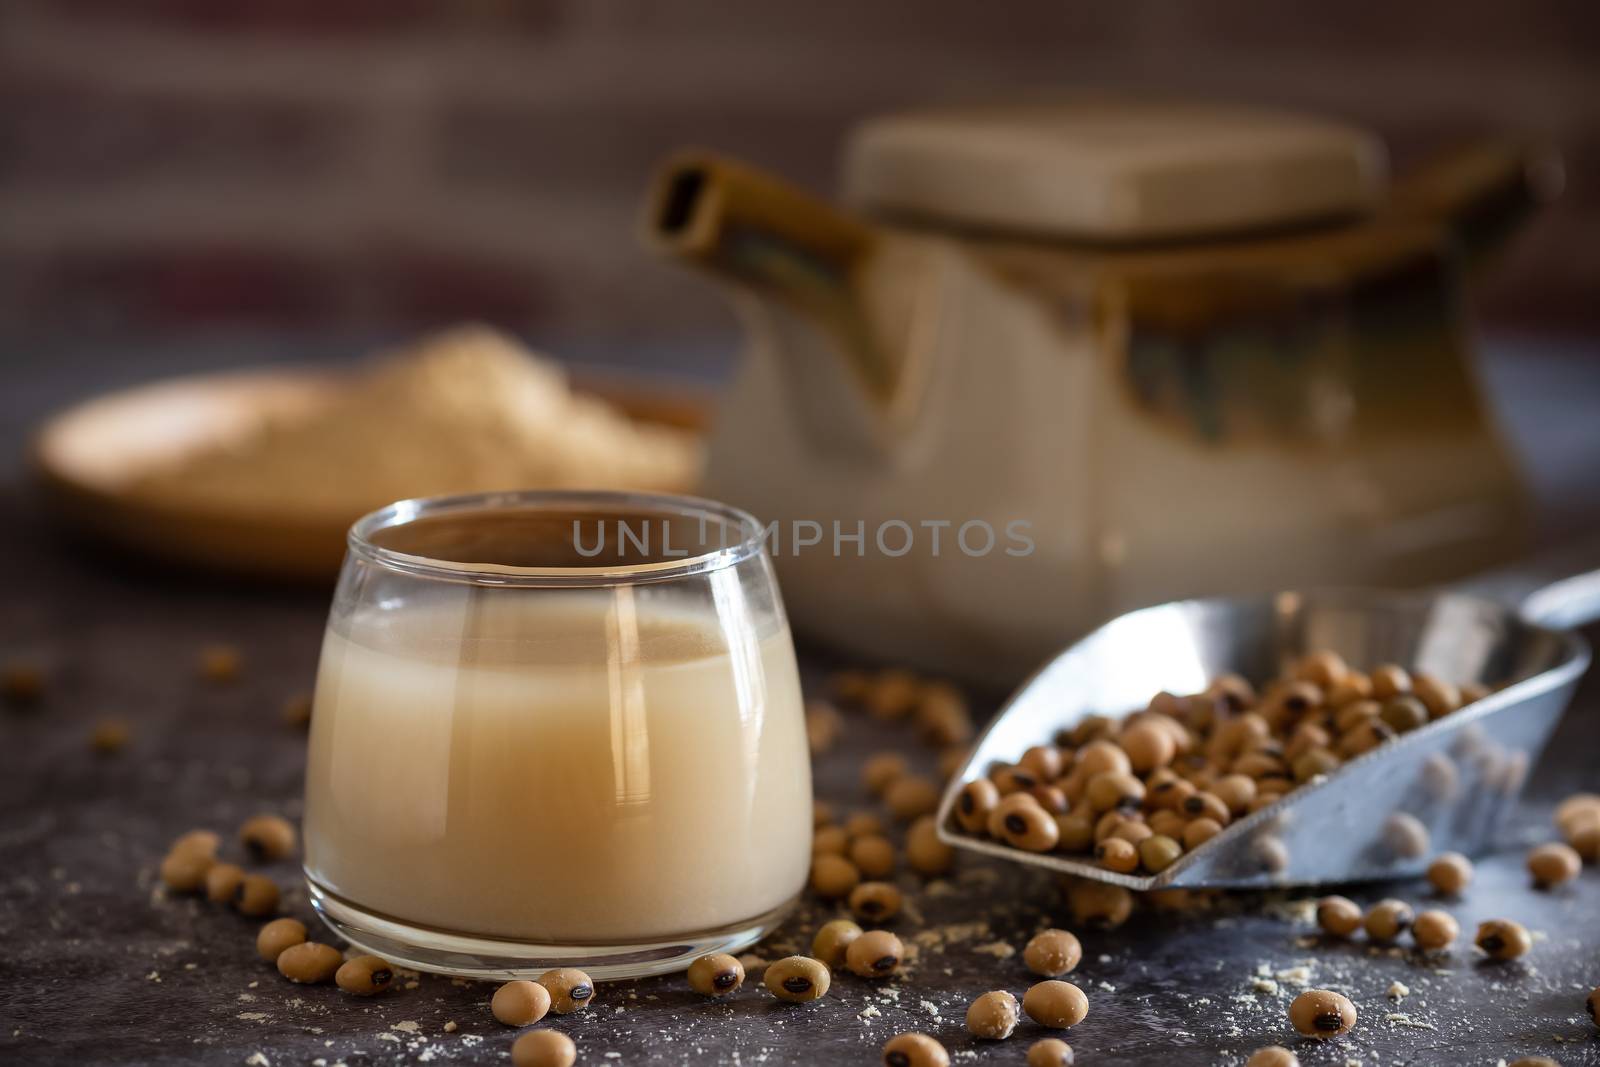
column 590, row 767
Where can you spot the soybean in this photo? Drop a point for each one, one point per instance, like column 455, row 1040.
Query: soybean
column 220, row 663
column 1115, row 854
column 942, row 717
column 993, row 1016
column 863, row 824
column 977, row 799
column 1044, row 762
column 1198, row 831
column 850, row 686
column 1052, row 953
column 1339, row 916
column 873, row 855
column 1388, row 919
column 1051, row 1052
column 892, row 694
column 364, row 976
column 543, row 1048
column 1576, row 810
column 222, row 882
column 875, row 954
column 830, row 841
column 1322, row 1013
column 1149, row 746
column 278, row 935
column 204, row 842
column 1434, row 930
column 1403, row 714
column 520, row 1003
column 1450, row 873
column 1503, row 939
column 267, row 837
column 1030, row 827
column 21, row 684
column 925, row 852
column 797, row 979
column 309, row 962
column 875, row 901
column 833, row 939
column 1055, row 1004
column 109, row 736
column 297, row 711
column 570, row 989
column 914, row 1050
column 186, row 871
column 1113, row 790
column 833, row 877
column 1390, row 681
column 912, row 796
column 823, row 724
column 1158, row 852
column 1553, row 864
column 879, row 772
column 1439, row 697
column 1099, row 904
column 716, row 975
column 257, row 896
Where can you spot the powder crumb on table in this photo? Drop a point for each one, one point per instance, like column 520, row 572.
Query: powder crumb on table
column 1299, row 975
column 1000, row 950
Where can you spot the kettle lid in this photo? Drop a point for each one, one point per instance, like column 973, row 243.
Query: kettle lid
column 1114, row 169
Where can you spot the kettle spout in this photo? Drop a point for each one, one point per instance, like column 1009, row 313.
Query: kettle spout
column 778, row 242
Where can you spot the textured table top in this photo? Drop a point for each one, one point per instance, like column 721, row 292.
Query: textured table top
column 103, row 967
column 100, row 966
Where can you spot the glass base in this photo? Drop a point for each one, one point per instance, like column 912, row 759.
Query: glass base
column 425, row 948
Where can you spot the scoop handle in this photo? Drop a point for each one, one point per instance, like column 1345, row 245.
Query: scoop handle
column 1559, row 588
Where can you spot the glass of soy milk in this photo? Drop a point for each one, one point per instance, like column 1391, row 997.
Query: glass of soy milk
column 556, row 729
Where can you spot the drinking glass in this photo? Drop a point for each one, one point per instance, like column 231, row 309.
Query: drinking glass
column 556, row 729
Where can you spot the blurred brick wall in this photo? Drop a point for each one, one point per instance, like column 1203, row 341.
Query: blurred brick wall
column 381, row 164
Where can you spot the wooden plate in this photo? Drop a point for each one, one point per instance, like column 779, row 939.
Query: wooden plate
column 87, row 459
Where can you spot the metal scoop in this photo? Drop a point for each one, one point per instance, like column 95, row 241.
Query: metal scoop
column 1445, row 786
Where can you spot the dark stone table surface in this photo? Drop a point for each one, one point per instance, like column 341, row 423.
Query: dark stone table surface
column 99, row 966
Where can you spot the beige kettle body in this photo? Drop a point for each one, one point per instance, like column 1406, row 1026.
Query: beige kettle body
column 1014, row 393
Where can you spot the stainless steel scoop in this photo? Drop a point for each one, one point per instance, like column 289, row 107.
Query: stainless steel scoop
column 1446, row 786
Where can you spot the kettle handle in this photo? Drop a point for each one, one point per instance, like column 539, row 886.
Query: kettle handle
column 1480, row 191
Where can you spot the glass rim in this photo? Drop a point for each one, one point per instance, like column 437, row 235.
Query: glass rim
column 751, row 537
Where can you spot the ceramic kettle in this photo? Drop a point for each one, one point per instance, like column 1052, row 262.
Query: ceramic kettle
column 1058, row 360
